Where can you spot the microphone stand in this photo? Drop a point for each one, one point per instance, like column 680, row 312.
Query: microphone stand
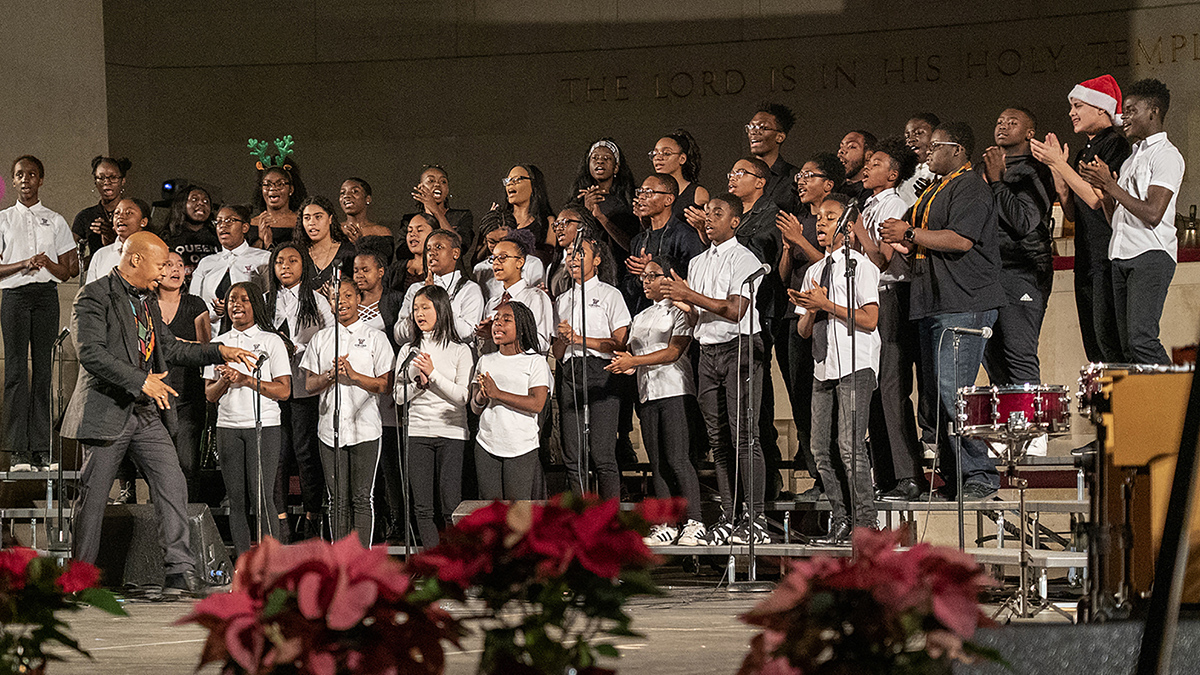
column 335, row 526
column 61, row 547
column 585, row 445
column 851, row 327
column 751, row 423
column 260, row 501
column 404, row 475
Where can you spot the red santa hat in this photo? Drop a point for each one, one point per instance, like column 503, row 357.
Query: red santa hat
column 1101, row 92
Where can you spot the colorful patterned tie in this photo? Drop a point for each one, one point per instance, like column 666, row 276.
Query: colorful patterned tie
column 145, row 329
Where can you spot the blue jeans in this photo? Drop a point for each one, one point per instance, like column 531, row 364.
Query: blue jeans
column 977, row 466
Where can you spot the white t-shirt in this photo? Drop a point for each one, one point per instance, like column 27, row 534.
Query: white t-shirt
column 1154, row 162
column 466, row 300
column 534, row 273
column 287, row 308
column 719, row 272
column 866, row 287
column 27, row 231
column 371, row 354
column 505, row 431
column 244, row 263
column 880, row 207
column 653, row 329
column 439, row 410
column 605, row 313
column 235, row 409
column 103, row 261
column 537, row 301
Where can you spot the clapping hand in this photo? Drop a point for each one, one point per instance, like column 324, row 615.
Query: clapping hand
column 622, row 363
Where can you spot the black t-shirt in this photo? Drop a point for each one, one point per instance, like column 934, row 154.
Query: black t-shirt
column 1092, row 229
column 343, row 259
column 194, row 246
column 800, row 262
column 781, row 184
column 757, row 231
column 1023, row 200
column 82, row 227
column 855, row 191
column 684, row 200
column 947, row 282
column 677, row 240
column 186, row 380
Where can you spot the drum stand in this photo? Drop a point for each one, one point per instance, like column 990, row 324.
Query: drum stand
column 1016, row 440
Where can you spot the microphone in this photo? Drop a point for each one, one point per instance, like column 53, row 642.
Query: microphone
column 761, row 271
column 260, row 361
column 412, row 354
column 62, row 336
column 850, row 213
column 984, row 332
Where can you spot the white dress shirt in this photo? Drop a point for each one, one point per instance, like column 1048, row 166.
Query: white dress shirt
column 466, row 300
column 244, row 263
column 606, row 313
column 287, row 308
column 536, row 300
column 370, row 354
column 1154, row 162
column 653, row 329
column 27, row 231
column 880, row 207
column 235, row 409
column 866, row 289
column 719, row 273
column 534, row 273
column 440, row 409
column 505, row 431
column 104, row 260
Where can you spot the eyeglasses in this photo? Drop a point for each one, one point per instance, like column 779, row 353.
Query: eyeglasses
column 809, row 175
column 275, row 184
column 561, row 224
column 935, row 144
column 742, row 173
column 651, row 276
column 646, row 192
column 755, row 127
column 503, row 258
column 228, row 221
column 513, row 180
column 108, row 179
column 662, row 153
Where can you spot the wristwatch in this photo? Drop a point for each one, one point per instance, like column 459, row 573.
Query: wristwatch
column 909, row 234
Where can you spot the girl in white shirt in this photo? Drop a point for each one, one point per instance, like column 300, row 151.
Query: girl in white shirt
column 237, row 393
column 443, row 253
column 496, row 226
column 434, row 384
column 298, row 311
column 509, row 257
column 510, row 389
column 607, row 325
column 658, row 345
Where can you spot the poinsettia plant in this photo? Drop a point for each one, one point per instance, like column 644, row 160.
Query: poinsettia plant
column 322, row 609
column 553, row 578
column 33, row 592
column 882, row 611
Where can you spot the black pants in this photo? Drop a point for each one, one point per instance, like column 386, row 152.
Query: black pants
column 350, row 477
column 602, row 442
column 665, row 436
column 1095, row 305
column 389, row 482
column 1140, row 289
column 506, row 477
column 238, row 450
column 187, row 445
column 29, row 321
column 721, row 392
column 435, row 465
column 145, row 438
column 1011, row 354
column 768, row 435
column 895, row 448
column 796, row 353
column 300, row 455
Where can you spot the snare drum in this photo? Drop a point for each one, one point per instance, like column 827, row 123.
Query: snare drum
column 1024, row 411
column 1096, row 378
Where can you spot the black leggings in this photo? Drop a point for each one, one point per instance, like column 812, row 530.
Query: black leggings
column 665, row 435
column 238, row 449
column 435, row 466
column 605, row 413
column 506, row 477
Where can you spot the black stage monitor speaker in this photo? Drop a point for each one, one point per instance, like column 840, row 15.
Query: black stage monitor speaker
column 131, row 550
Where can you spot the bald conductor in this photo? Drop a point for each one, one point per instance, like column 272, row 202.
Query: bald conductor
column 122, row 405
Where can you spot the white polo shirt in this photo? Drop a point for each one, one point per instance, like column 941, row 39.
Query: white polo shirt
column 1154, row 162
column 536, row 300
column 466, row 300
column 653, row 329
column 235, row 409
column 880, row 207
column 287, row 308
column 866, row 289
column 371, row 354
column 605, row 312
column 718, row 273
column 244, row 263
column 440, row 409
column 534, row 273
column 27, row 231
column 505, row 431
column 103, row 261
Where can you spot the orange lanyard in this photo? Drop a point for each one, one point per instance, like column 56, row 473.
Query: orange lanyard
column 924, row 207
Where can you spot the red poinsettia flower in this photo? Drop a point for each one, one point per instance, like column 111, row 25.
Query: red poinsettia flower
column 662, row 511
column 79, row 576
column 13, row 563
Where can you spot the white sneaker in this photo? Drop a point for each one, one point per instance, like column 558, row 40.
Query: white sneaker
column 693, row 534
column 21, row 466
column 52, row 466
column 1037, row 447
column 661, row 535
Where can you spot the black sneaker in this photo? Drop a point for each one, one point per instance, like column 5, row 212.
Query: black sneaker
column 720, row 533
column 906, row 490
column 743, row 532
column 977, row 492
column 181, row 585
column 812, row 494
column 930, row 495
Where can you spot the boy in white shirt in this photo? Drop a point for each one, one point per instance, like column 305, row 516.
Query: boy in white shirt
column 237, row 261
column 841, row 370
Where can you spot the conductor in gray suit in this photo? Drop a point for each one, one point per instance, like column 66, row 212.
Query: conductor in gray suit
column 122, row 405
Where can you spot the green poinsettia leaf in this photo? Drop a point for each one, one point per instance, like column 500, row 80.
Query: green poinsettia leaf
column 608, row 650
column 277, row 603
column 102, row 600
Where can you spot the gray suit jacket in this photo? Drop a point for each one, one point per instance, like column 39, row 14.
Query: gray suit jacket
column 110, row 381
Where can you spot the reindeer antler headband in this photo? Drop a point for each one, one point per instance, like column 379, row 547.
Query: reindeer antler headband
column 259, row 149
